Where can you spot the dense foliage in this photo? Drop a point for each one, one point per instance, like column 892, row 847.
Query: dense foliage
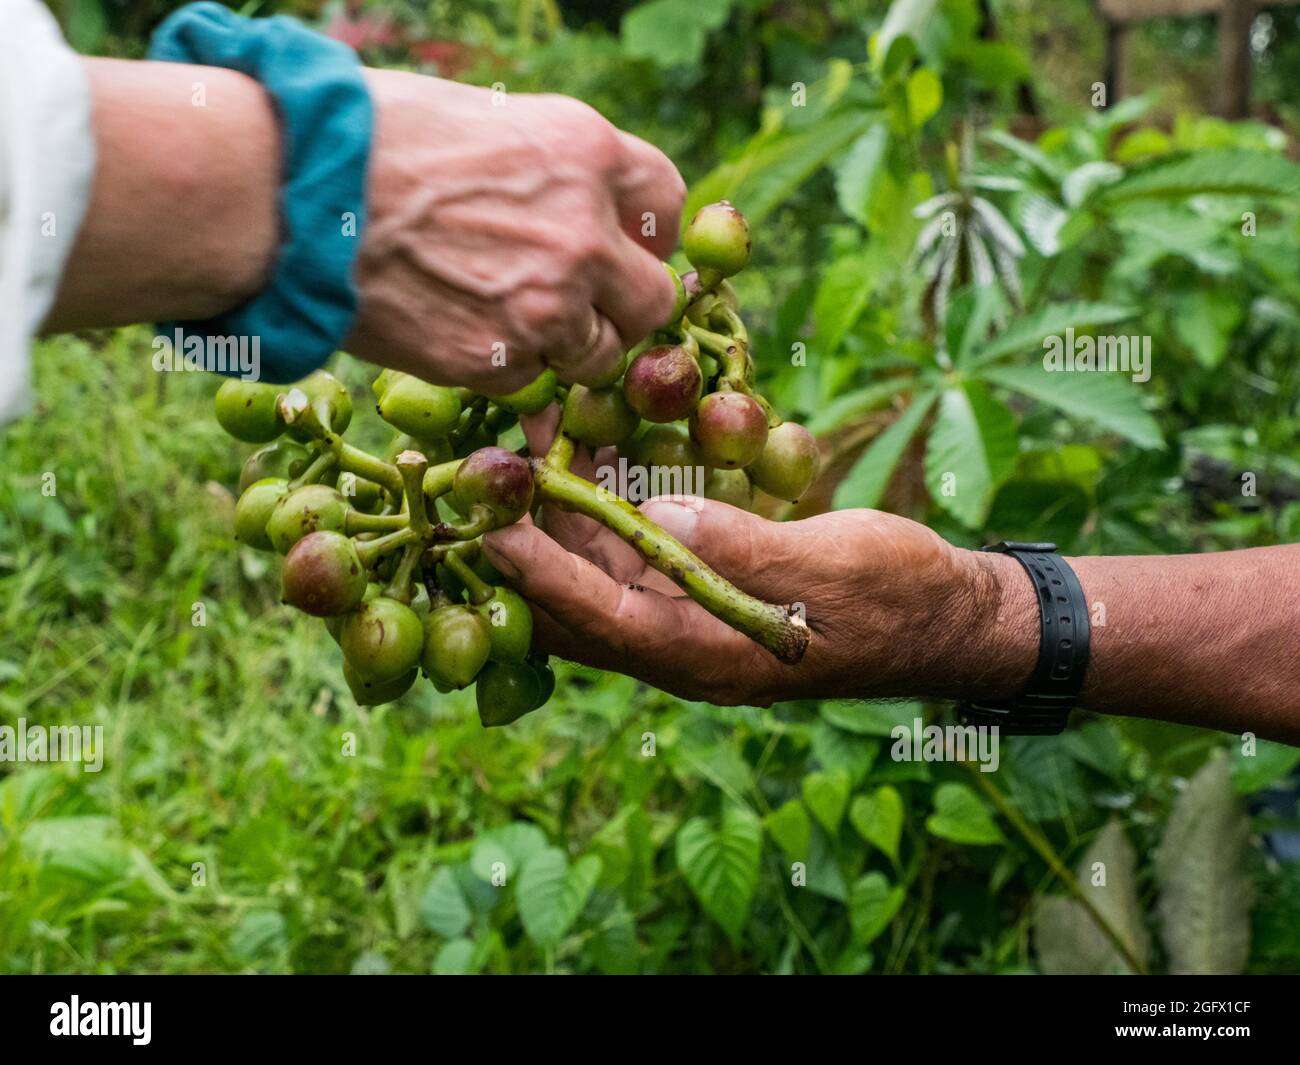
column 249, row 816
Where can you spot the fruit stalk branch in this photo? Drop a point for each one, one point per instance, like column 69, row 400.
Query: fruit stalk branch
column 774, row 627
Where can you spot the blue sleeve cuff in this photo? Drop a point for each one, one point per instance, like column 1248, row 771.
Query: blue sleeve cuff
column 326, row 122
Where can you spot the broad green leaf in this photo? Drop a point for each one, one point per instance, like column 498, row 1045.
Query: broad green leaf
column 859, row 171
column 1205, row 321
column 878, row 818
column 1029, row 153
column 1227, row 171
column 841, row 297
column 1028, row 332
column 834, row 749
column 859, row 401
column 1205, row 889
column 924, row 96
column 85, row 848
column 826, row 795
column 260, row 936
column 1067, row 938
column 790, row 828
column 1042, row 221
column 869, row 719
column 551, row 893
column 1083, row 181
column 443, row 908
column 775, row 164
column 721, row 865
column 898, row 34
column 971, row 449
column 454, row 958
column 673, row 32
column 1108, row 399
column 1265, row 765
column 867, row 480
column 872, row 905
column 510, row 846
column 960, row 816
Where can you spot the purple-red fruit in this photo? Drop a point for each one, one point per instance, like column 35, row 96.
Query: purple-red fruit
column 323, row 575
column 663, row 383
column 730, row 429
column 497, row 479
column 788, row 464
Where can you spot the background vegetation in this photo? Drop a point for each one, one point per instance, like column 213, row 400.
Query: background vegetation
column 234, row 829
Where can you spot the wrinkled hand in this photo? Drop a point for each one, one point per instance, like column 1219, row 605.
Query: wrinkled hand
column 508, row 229
column 895, row 610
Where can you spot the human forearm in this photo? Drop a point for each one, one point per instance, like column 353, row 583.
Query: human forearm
column 1206, row 640
column 182, row 222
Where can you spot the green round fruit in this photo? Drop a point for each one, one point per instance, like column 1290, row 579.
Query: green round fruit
column 611, row 376
column 598, row 417
column 456, row 646
column 334, row 625
column 253, row 511
column 380, row 384
column 246, row 410
column 437, row 450
column 322, row 575
column 322, row 385
column 681, row 297
column 373, row 692
column 788, row 463
column 730, row 486
column 497, row 479
column 510, row 625
column 729, row 428
column 416, row 407
column 546, row 676
column 663, row 384
column 311, row 508
column 283, row 459
column 359, row 492
column 382, row 638
column 717, row 239
column 665, row 447
column 506, row 691
column 532, row 397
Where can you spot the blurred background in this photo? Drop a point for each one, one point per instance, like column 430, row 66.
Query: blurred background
column 1123, row 168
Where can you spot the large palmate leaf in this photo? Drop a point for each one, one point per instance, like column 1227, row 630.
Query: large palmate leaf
column 1067, row 937
column 898, row 34
column 1229, row 171
column 1108, row 399
column 1027, row 333
column 721, row 865
column 866, row 482
column 1205, row 890
column 971, row 449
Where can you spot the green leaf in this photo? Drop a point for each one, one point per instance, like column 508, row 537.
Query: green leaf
column 960, row 816
column 259, row 937
column 859, row 172
column 834, row 749
column 841, row 297
column 851, row 404
column 878, row 819
column 673, row 32
column 924, row 96
column 1267, row 763
column 790, row 828
column 774, row 164
column 896, row 40
column 867, row 480
column 971, row 449
column 872, row 905
column 1205, row 321
column 1108, row 399
column 1067, row 938
column 1228, row 171
column 551, row 893
column 721, row 865
column 827, row 794
column 1028, row 332
column 1205, row 889
column 443, row 908
column 510, row 845
column 85, row 848
column 869, row 719
column 455, row 958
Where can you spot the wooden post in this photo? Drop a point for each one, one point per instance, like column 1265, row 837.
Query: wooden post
column 1235, row 18
column 1118, row 37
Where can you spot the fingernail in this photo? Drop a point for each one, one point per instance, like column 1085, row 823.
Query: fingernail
column 678, row 520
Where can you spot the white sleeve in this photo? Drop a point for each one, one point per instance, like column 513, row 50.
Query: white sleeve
column 47, row 163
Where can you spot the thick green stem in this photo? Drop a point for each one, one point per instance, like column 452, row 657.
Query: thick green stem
column 479, row 589
column 412, row 466
column 777, row 628
column 438, row 479
column 371, row 551
column 399, row 587
column 316, row 470
column 354, row 460
column 358, row 522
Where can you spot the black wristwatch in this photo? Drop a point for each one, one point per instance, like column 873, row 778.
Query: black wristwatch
column 1064, row 632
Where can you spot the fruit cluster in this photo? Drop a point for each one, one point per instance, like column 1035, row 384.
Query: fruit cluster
column 388, row 550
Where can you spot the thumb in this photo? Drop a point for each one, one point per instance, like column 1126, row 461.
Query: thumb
column 753, row 553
